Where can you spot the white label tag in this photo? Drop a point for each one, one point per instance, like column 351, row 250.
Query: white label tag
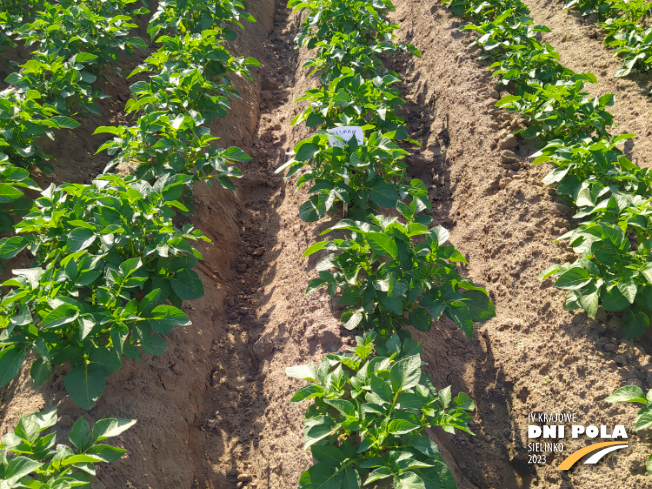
column 346, row 133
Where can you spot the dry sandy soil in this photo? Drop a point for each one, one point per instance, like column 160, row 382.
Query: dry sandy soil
column 214, row 409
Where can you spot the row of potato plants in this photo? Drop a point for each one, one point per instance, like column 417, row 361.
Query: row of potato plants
column 40, row 98
column 108, row 255
column 591, row 173
column 373, row 404
column 626, row 29
column 12, row 15
column 112, row 263
column 71, row 42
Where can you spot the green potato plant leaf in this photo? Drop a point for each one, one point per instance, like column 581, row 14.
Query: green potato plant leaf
column 363, row 421
column 28, row 458
column 383, row 271
column 111, row 261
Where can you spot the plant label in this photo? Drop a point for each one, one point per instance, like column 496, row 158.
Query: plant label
column 346, row 133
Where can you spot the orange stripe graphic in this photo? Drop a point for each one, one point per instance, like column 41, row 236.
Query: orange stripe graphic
column 575, row 456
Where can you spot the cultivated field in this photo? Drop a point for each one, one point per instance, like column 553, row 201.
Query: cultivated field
column 322, row 244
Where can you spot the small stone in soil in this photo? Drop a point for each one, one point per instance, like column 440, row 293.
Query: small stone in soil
column 508, row 142
column 564, row 209
column 263, row 347
column 508, row 157
column 495, row 184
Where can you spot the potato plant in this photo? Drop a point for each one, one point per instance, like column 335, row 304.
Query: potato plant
column 365, row 177
column 369, row 418
column 66, row 84
column 13, row 181
column 351, row 97
column 188, row 87
column 24, row 118
column 563, row 111
column 351, row 33
column 72, row 40
column 171, row 145
column 12, row 15
column 189, row 73
column 388, row 277
column 643, row 420
column 195, row 16
column 614, row 237
column 108, row 257
column 342, row 51
column 31, row 459
column 84, row 26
